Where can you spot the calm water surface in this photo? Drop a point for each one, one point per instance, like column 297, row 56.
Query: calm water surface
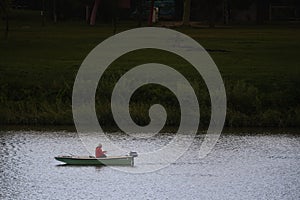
column 260, row 166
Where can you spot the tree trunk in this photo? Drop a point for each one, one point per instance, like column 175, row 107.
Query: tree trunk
column 260, row 12
column 226, row 12
column 139, row 12
column 212, row 17
column 43, row 13
column 87, row 14
column 114, row 15
column 94, row 12
column 151, row 13
column 6, row 25
column 54, row 12
column 186, row 13
column 4, row 12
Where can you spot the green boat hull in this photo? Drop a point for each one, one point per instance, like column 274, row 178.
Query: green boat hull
column 109, row 161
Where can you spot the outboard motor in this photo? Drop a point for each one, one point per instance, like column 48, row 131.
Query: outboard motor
column 133, row 154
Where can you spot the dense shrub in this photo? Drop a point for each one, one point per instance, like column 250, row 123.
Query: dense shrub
column 247, row 106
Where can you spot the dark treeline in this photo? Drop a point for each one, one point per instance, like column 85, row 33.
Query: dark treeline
column 212, row 11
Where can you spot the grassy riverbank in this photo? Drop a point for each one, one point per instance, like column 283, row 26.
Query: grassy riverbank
column 260, row 67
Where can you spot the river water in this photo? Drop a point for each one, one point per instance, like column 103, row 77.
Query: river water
column 241, row 166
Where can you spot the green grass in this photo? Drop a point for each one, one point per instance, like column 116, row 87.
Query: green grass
column 38, row 65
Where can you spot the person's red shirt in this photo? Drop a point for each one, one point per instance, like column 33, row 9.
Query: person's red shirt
column 99, row 153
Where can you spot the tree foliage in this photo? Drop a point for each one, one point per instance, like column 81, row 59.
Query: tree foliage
column 4, row 11
column 4, row 6
column 241, row 5
column 186, row 12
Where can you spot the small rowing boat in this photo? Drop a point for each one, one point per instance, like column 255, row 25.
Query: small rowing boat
column 127, row 160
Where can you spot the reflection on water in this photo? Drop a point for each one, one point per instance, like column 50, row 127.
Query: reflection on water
column 240, row 167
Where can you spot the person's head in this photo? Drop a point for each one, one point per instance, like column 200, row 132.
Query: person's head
column 100, row 145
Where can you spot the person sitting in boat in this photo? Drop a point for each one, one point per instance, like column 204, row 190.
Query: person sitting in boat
column 99, row 152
